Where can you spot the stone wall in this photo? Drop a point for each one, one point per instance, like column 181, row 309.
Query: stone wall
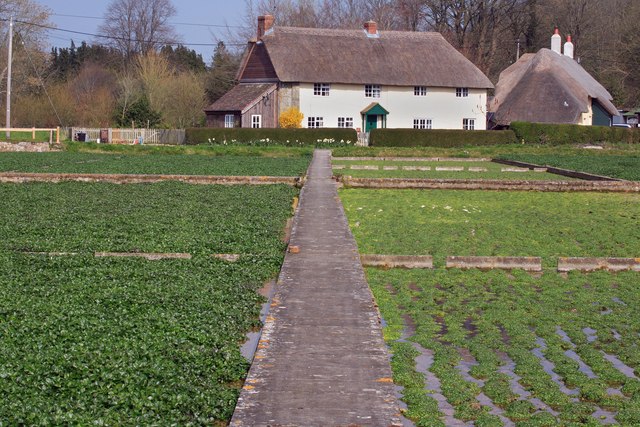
column 31, row 147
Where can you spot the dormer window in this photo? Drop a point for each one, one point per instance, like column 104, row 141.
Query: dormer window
column 462, row 92
column 372, row 91
column 321, row 89
column 420, row 90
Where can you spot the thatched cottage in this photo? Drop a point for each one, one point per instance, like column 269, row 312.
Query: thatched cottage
column 362, row 79
column 551, row 87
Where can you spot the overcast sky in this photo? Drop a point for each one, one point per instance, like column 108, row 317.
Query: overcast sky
column 211, row 16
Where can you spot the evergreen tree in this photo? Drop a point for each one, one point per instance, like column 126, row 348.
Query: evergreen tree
column 221, row 76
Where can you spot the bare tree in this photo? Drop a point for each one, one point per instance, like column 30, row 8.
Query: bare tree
column 139, row 26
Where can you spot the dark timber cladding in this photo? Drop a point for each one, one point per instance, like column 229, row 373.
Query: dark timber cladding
column 258, row 65
column 321, row 360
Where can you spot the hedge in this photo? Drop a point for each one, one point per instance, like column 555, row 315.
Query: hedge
column 557, row 134
column 264, row 136
column 439, row 137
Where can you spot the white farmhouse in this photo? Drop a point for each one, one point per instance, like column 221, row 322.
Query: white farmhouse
column 361, row 79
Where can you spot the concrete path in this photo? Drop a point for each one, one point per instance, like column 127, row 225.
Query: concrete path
column 321, row 360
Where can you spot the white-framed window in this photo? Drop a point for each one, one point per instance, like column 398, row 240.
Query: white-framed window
column 422, row 124
column 462, row 92
column 372, row 91
column 321, row 89
column 315, row 122
column 469, row 124
column 345, row 122
column 229, row 120
column 420, row 90
column 256, row 121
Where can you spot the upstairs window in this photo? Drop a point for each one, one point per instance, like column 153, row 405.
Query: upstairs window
column 420, row 90
column 462, row 92
column 315, row 122
column 469, row 124
column 321, row 89
column 422, row 123
column 345, row 122
column 372, row 91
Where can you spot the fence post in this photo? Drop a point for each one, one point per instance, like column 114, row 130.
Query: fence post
column 58, row 135
column 33, row 133
column 50, row 135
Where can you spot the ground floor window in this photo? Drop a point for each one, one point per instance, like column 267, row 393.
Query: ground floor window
column 229, row 120
column 256, row 121
column 345, row 122
column 422, row 124
column 468, row 124
column 315, row 122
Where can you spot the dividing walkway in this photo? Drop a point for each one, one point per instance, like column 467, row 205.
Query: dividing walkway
column 321, row 360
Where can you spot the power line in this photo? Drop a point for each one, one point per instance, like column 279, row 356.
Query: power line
column 189, row 24
column 125, row 39
column 44, row 87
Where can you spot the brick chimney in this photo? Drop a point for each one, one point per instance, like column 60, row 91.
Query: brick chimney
column 265, row 23
column 371, row 28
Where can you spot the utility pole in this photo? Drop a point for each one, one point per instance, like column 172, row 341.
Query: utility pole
column 8, row 124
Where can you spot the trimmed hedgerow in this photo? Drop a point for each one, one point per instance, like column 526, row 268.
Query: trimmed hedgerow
column 558, row 134
column 439, row 138
column 263, row 136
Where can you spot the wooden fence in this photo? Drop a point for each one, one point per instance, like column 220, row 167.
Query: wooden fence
column 33, row 132
column 128, row 136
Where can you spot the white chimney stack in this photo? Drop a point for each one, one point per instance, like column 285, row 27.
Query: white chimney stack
column 556, row 42
column 568, row 48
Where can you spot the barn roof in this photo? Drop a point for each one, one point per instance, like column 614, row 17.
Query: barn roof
column 546, row 87
column 241, row 96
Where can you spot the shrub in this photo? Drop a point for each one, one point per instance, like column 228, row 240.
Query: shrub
column 291, row 118
column 558, row 134
column 439, row 138
column 264, row 136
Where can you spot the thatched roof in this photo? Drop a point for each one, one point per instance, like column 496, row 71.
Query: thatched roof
column 395, row 58
column 241, row 97
column 546, row 87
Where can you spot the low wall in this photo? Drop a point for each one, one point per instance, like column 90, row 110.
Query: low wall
column 18, row 177
column 480, row 184
column 27, row 147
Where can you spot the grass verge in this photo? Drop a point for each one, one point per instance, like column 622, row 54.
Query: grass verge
column 616, row 166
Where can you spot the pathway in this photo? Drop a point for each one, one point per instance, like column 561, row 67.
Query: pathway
column 321, row 359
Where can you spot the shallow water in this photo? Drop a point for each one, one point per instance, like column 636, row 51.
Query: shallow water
column 432, row 385
column 464, row 367
column 582, row 367
column 626, row 370
column 549, row 367
column 592, row 334
column 508, row 368
column 248, row 349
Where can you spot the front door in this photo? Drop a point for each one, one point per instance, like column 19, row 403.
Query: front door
column 372, row 122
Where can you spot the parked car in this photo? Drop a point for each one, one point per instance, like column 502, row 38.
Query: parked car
column 621, row 125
